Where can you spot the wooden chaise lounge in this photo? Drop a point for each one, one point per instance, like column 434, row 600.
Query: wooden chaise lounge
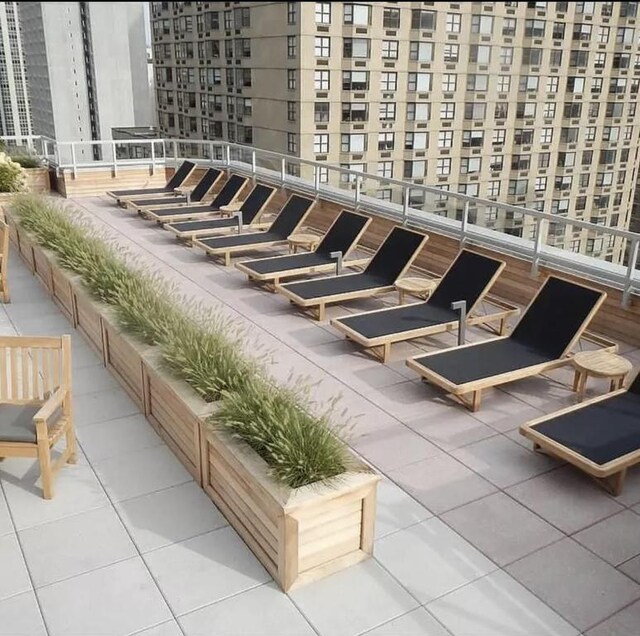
column 342, row 236
column 600, row 436
column 468, row 278
column 251, row 209
column 228, row 193
column 392, row 259
column 542, row 340
column 292, row 215
column 198, row 194
column 177, row 180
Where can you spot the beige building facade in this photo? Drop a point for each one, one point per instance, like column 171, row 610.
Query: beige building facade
column 528, row 103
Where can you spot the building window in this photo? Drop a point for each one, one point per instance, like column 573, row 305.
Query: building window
column 387, row 111
column 517, row 187
column 493, row 189
column 589, row 133
column 504, row 83
column 425, row 20
column 540, row 184
column 322, row 46
column 291, row 79
column 475, row 110
column 445, row 139
column 416, row 141
column 549, row 111
column 477, row 82
column 321, row 80
column 472, row 138
column 358, row 14
column 422, row 51
column 498, row 136
column 497, row 163
column 449, row 82
column 558, row 30
column 390, row 49
column 323, row 13
column 546, row 136
column 532, row 57
column 291, row 111
column 391, row 18
column 292, row 142
column 414, row 169
column 356, row 47
column 292, row 46
column 386, row 140
column 520, row 162
column 443, row 167
column 509, row 27
column 534, row 28
column 354, row 111
column 385, row 169
column 346, row 177
column 454, row 22
column 447, row 110
column 482, row 24
column 384, row 194
column 321, row 112
column 418, row 111
column 451, row 53
column 321, row 144
column 506, row 55
column 388, row 81
column 470, row 165
column 479, row 54
column 355, row 80
column 420, row 82
column 292, row 12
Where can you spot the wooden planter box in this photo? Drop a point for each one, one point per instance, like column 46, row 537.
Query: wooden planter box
column 298, row 535
column 87, row 314
column 25, row 247
column 61, row 290
column 43, row 261
column 175, row 411
column 37, row 180
column 123, row 357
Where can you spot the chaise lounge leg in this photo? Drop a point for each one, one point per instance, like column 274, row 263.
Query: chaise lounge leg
column 614, row 483
column 321, row 312
column 476, row 400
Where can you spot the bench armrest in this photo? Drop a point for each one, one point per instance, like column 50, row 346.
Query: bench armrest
column 54, row 402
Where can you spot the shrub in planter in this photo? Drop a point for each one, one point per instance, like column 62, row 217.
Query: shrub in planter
column 25, row 157
column 11, row 174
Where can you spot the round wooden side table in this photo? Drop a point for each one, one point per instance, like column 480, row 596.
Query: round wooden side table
column 307, row 241
column 414, row 286
column 231, row 209
column 599, row 364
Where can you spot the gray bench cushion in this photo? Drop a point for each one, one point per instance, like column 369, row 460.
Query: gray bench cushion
column 16, row 423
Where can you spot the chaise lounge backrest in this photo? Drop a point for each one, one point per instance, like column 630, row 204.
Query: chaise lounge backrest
column 635, row 386
column 342, row 233
column 229, row 190
column 180, row 175
column 255, row 201
column 205, row 184
column 393, row 256
column 466, row 279
column 290, row 216
column 558, row 313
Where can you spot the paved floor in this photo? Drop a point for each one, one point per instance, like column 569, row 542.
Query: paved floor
column 475, row 535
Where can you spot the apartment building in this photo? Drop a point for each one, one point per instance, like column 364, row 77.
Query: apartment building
column 87, row 69
column 15, row 116
column 528, row 103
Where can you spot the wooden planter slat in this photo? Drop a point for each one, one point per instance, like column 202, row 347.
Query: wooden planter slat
column 42, row 260
column 298, row 535
column 61, row 291
column 123, row 357
column 25, row 248
column 88, row 314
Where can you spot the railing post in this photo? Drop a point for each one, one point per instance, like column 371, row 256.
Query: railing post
column 358, row 186
column 628, row 283
column 253, row 163
column 73, row 158
column 283, row 171
column 175, row 152
column 227, row 158
column 464, row 223
column 211, row 152
column 540, row 226
column 405, row 205
column 153, row 157
column 115, row 158
column 316, row 178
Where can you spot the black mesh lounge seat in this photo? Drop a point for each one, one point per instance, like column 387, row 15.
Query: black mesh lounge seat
column 342, row 236
column 468, row 278
column 552, row 323
column 600, row 436
column 178, row 179
column 251, row 209
column 389, row 263
column 230, row 190
column 290, row 217
column 199, row 192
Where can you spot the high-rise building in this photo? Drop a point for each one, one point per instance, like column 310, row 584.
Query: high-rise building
column 87, row 69
column 528, row 103
column 15, row 116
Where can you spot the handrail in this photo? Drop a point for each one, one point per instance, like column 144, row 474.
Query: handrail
column 221, row 151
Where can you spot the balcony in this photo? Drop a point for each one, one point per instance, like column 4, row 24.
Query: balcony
column 474, row 531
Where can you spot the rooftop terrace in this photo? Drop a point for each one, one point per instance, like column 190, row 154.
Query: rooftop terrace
column 475, row 533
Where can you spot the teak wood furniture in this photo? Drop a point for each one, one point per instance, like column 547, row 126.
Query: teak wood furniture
column 303, row 239
column 600, row 436
column 228, row 193
column 468, row 278
column 342, row 236
column 178, row 178
column 599, row 364
column 392, row 259
column 4, row 261
column 292, row 215
column 414, row 286
column 35, row 402
column 542, row 340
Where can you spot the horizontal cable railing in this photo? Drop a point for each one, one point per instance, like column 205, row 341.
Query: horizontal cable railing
column 451, row 213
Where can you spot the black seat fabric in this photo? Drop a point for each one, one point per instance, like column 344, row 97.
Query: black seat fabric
column 601, row 432
column 494, row 357
column 284, row 263
column 237, row 240
column 204, row 224
column 382, row 322
column 198, row 193
column 178, row 178
column 254, row 203
column 323, row 287
column 192, row 209
column 391, row 258
column 16, row 423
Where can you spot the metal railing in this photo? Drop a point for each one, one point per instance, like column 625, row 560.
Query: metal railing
column 354, row 188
